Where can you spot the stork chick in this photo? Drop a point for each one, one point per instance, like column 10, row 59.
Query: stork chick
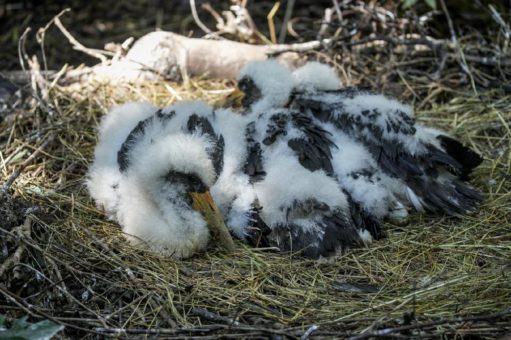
column 162, row 172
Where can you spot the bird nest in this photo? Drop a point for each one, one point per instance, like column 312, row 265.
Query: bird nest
column 63, row 260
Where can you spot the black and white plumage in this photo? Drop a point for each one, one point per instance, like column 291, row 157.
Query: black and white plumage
column 154, row 167
column 307, row 167
column 155, row 157
column 104, row 176
column 430, row 165
column 380, row 158
column 291, row 165
column 355, row 167
column 415, row 165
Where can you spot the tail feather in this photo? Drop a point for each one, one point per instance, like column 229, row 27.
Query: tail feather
column 468, row 158
column 365, row 221
column 452, row 197
column 330, row 235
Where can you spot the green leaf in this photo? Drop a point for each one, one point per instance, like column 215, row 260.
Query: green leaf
column 20, row 324
column 408, row 3
column 22, row 330
column 2, row 320
column 44, row 330
column 431, row 3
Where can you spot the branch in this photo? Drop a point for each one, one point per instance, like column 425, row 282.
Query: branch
column 23, row 230
column 210, row 316
column 388, row 331
column 35, row 312
column 170, row 56
column 99, row 54
column 287, row 16
column 198, row 21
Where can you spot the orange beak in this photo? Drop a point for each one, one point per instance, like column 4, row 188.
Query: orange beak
column 204, row 203
column 232, row 100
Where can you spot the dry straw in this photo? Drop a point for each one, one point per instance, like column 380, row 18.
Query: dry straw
column 63, row 260
column 84, row 274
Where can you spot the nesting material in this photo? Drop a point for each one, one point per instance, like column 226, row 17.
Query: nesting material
column 436, row 267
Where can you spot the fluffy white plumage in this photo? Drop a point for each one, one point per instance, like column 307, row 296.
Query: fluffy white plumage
column 273, row 79
column 232, row 191
column 166, row 229
column 360, row 176
column 305, row 210
column 405, row 163
column 410, row 150
column 140, row 145
column 377, row 193
column 350, row 158
column 316, row 76
column 152, row 210
column 297, row 195
column 104, row 175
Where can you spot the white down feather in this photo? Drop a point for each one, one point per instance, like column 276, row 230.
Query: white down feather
column 103, row 175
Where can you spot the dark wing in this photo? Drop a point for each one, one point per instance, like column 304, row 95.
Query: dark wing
column 385, row 135
column 202, row 125
column 364, row 220
column 468, row 159
column 277, row 126
column 253, row 167
column 313, row 147
column 333, row 232
column 135, row 135
column 314, row 152
column 138, row 133
column 258, row 230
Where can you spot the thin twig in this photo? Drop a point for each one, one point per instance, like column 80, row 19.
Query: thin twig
column 309, row 331
column 454, row 39
column 36, row 79
column 388, row 331
column 271, row 24
column 8, row 183
column 41, row 35
column 22, row 53
column 210, row 316
column 191, row 331
column 500, row 21
column 338, row 11
column 287, row 16
column 35, row 312
column 99, row 54
column 325, row 24
column 24, row 230
column 198, row 21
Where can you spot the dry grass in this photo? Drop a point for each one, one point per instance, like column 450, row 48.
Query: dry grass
column 61, row 259
column 78, row 269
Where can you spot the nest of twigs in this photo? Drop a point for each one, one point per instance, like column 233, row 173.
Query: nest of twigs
column 63, row 260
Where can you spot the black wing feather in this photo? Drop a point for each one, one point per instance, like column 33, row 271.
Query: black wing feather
column 133, row 138
column 203, row 125
column 137, row 133
column 418, row 171
column 253, row 167
column 468, row 159
column 333, row 232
